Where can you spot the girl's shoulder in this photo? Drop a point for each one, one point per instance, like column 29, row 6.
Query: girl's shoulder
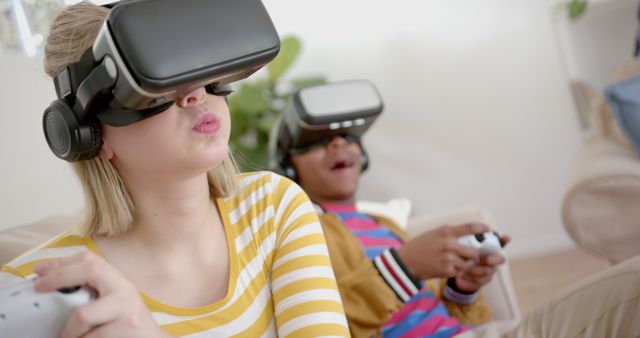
column 65, row 244
column 268, row 181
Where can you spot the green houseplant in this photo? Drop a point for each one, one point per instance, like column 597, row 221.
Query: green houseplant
column 256, row 105
column 576, row 8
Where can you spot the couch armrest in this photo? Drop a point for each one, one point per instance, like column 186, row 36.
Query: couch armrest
column 499, row 293
column 600, row 209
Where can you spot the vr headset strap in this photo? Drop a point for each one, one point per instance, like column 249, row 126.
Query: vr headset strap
column 100, row 81
column 87, row 81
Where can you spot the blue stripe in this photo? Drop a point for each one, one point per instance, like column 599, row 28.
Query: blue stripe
column 378, row 233
column 418, row 316
column 374, row 252
column 405, row 326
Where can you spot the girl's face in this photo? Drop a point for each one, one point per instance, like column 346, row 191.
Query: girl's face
column 330, row 173
column 189, row 138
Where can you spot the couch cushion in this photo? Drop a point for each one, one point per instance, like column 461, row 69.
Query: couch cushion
column 19, row 239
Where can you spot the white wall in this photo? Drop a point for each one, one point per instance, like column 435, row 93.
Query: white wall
column 34, row 183
column 477, row 110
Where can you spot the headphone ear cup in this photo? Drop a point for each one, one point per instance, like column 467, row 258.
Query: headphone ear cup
column 291, row 173
column 67, row 138
column 364, row 159
column 288, row 170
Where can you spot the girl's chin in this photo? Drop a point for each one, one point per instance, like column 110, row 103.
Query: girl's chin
column 206, row 161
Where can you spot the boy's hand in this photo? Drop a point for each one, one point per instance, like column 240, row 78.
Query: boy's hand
column 437, row 253
column 472, row 279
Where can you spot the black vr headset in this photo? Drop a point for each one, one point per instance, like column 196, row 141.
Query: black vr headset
column 149, row 52
column 315, row 114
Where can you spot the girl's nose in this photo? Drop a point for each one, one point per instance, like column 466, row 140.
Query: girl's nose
column 194, row 97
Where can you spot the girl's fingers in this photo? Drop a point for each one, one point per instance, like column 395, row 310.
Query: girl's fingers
column 52, row 264
column 67, row 276
column 82, row 269
column 88, row 317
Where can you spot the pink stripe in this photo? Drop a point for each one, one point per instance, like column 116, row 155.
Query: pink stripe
column 432, row 325
column 424, row 304
column 382, row 242
column 361, row 224
column 339, row 207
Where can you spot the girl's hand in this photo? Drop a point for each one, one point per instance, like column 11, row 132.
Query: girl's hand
column 117, row 311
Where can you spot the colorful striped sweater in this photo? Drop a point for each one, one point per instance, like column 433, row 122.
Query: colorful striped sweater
column 423, row 314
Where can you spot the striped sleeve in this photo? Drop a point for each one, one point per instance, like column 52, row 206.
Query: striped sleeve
column 305, row 294
column 396, row 275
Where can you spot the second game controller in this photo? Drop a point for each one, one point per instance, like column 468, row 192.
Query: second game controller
column 487, row 243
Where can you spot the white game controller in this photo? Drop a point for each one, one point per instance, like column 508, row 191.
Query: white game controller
column 26, row 313
column 487, row 243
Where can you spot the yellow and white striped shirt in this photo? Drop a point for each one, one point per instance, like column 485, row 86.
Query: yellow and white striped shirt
column 281, row 281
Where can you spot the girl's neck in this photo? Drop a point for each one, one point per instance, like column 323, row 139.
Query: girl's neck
column 169, row 212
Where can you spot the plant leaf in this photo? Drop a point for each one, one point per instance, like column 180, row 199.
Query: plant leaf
column 290, row 47
column 577, row 8
column 250, row 99
column 308, row 81
column 267, row 121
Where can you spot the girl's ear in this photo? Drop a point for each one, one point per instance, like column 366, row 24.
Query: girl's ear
column 105, row 151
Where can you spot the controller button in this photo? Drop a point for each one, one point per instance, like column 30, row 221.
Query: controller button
column 69, row 290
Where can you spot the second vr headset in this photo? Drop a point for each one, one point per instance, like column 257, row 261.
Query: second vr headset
column 148, row 53
column 315, row 114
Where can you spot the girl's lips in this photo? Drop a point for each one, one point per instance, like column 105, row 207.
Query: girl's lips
column 207, row 123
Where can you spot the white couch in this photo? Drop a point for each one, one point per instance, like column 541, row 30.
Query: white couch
column 498, row 294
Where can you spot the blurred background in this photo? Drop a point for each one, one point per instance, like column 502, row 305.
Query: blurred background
column 480, row 101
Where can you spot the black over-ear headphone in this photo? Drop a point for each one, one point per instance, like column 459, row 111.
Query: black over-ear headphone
column 71, row 132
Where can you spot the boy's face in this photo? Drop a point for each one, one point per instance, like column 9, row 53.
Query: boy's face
column 330, row 173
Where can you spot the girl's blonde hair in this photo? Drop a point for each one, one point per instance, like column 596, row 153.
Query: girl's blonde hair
column 109, row 209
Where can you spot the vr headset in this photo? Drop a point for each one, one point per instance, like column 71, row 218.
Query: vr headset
column 315, row 114
column 148, row 53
